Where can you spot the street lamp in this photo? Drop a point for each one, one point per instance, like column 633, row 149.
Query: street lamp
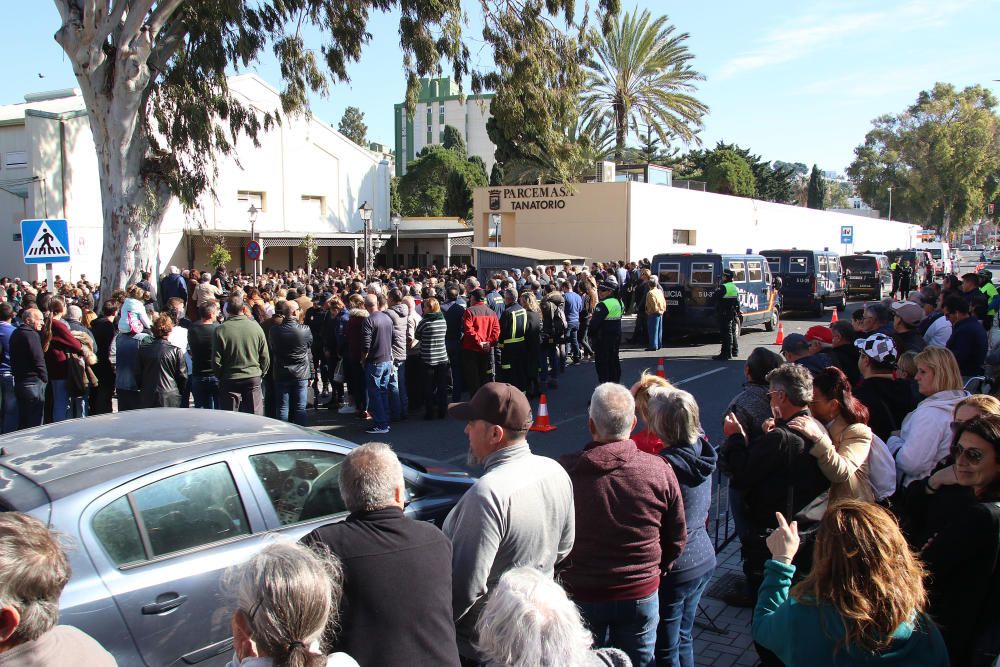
column 889, row 219
column 252, row 212
column 395, row 225
column 366, row 218
column 495, row 220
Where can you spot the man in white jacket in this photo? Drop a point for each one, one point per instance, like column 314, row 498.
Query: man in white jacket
column 936, row 327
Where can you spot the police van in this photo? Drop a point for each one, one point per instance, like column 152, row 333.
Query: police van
column 810, row 279
column 689, row 280
column 867, row 274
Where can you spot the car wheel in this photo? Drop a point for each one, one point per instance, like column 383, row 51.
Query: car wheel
column 772, row 322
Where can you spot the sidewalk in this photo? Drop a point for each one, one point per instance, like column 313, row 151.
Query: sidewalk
column 734, row 645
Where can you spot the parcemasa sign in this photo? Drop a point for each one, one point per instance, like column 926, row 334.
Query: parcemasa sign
column 531, row 197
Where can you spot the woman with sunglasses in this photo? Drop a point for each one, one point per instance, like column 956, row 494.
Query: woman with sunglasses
column 953, row 518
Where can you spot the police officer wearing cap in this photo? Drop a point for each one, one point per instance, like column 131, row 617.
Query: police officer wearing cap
column 606, row 332
column 727, row 311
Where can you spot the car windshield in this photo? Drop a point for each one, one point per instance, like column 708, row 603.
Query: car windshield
column 852, row 264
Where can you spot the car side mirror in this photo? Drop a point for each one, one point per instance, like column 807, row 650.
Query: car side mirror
column 776, row 283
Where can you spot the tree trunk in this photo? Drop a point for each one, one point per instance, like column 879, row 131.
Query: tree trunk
column 621, row 126
column 115, row 89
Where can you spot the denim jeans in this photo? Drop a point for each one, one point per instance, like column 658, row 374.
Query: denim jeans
column 678, row 607
column 205, row 391
column 550, row 355
column 30, row 403
column 290, row 397
column 629, row 625
column 399, row 404
column 60, row 401
column 379, row 378
column 654, row 329
column 8, row 404
column 573, row 340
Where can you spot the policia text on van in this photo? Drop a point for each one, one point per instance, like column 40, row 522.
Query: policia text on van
column 689, row 281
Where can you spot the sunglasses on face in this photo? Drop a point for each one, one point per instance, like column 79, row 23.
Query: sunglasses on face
column 974, row 455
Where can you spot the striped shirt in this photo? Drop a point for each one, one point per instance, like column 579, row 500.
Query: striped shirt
column 431, row 332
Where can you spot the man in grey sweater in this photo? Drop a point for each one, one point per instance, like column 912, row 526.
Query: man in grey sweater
column 519, row 513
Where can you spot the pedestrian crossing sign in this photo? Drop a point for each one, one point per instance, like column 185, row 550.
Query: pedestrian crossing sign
column 45, row 241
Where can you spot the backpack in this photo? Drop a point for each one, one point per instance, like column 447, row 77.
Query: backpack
column 881, row 469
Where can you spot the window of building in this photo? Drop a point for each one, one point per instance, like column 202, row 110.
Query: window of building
column 685, row 237
column 739, row 271
column 313, row 208
column 301, row 484
column 185, row 511
column 15, row 160
column 754, row 269
column 798, row 264
column 702, row 273
column 244, row 198
column 430, row 125
column 670, row 273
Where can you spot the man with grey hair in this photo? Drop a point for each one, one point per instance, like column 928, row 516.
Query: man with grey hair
column 34, row 570
column 774, row 471
column 397, row 571
column 630, row 528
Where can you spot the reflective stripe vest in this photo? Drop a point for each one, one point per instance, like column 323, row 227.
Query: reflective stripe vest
column 518, row 326
column 990, row 290
column 615, row 308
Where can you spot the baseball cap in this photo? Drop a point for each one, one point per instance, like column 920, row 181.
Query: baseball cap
column 820, row 333
column 909, row 312
column 497, row 403
column 794, row 342
column 879, row 347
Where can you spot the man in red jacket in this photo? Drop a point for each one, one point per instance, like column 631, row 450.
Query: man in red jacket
column 480, row 332
column 630, row 528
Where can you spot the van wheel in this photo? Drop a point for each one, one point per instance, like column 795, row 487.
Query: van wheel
column 819, row 308
column 772, row 322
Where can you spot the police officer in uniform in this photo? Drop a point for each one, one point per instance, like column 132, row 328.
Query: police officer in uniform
column 513, row 343
column 606, row 332
column 896, row 274
column 989, row 290
column 727, row 310
column 905, row 280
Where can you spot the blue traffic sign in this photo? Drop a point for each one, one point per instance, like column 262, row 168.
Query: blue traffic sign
column 253, row 250
column 45, row 241
column 847, row 234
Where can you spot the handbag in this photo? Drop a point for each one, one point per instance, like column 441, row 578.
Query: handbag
column 77, row 382
column 338, row 372
column 814, row 511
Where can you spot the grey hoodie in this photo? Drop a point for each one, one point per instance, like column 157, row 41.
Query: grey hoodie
column 398, row 314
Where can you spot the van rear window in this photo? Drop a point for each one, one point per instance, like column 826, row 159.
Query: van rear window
column 739, row 272
column 670, row 273
column 834, row 265
column 754, row 269
column 821, row 262
column 774, row 263
column 702, row 273
column 798, row 264
column 852, row 264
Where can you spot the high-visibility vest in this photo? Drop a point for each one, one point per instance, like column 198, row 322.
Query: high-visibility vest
column 518, row 326
column 731, row 291
column 615, row 308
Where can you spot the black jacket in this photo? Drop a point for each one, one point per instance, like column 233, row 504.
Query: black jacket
column 104, row 333
column 764, row 470
column 396, row 609
column 291, row 344
column 162, row 374
column 845, row 357
column 27, row 361
column 888, row 402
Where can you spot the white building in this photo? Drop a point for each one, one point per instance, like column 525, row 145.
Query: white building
column 440, row 104
column 306, row 178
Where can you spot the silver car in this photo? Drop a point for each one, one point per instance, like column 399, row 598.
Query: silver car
column 155, row 504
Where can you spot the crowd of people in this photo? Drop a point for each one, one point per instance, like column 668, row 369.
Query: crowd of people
column 402, row 341
column 864, row 480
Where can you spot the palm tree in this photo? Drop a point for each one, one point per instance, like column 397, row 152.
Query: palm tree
column 583, row 146
column 641, row 73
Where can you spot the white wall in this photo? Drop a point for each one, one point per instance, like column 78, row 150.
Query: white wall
column 733, row 224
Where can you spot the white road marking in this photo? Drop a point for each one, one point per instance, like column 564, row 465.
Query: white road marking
column 699, row 376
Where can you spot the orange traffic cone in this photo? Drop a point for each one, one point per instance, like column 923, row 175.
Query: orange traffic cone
column 542, row 421
column 781, row 334
column 834, row 318
column 660, row 370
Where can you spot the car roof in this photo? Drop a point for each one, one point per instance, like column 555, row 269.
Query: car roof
column 75, row 454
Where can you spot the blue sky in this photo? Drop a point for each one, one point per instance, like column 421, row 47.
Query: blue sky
column 795, row 81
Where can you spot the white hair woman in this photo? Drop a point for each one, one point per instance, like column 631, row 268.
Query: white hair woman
column 528, row 621
column 286, row 596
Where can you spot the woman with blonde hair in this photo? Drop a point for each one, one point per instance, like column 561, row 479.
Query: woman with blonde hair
column 976, row 405
column 132, row 316
column 861, row 604
column 925, row 436
column 645, row 439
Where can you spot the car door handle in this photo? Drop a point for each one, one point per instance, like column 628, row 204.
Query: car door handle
column 165, row 606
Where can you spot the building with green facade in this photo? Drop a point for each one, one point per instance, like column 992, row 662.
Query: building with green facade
column 440, row 103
